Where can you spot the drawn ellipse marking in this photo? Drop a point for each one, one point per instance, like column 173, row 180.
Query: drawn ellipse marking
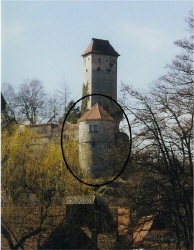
column 129, row 151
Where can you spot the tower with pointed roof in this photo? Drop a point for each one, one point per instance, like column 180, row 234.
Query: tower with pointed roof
column 101, row 116
column 100, row 73
column 96, row 137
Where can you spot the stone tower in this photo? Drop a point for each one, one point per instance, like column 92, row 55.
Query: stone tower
column 96, row 137
column 100, row 74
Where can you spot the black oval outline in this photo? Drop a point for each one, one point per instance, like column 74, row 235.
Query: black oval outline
column 108, row 182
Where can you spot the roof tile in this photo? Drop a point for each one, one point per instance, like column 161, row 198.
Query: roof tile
column 99, row 46
column 96, row 113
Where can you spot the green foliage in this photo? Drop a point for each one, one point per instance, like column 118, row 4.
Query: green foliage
column 85, row 91
column 74, row 113
column 27, row 169
column 8, row 121
column 33, row 185
column 35, row 182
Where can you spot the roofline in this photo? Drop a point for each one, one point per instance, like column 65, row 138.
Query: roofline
column 113, row 52
column 89, row 120
column 95, row 52
column 107, row 118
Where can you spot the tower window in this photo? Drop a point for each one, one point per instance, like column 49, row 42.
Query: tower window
column 93, row 128
column 112, row 61
column 98, row 68
column 99, row 60
column 86, row 70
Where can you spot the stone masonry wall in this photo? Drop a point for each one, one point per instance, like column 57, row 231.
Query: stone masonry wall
column 95, row 147
column 104, row 77
column 100, row 73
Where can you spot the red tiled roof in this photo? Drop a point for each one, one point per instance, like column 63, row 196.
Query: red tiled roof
column 99, row 46
column 96, row 113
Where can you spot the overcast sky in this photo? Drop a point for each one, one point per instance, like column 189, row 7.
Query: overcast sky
column 45, row 39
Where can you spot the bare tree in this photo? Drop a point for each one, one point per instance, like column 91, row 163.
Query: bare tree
column 53, row 107
column 29, row 102
column 163, row 123
column 64, row 96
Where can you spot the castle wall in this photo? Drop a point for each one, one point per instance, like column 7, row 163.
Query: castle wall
column 44, row 128
column 95, row 147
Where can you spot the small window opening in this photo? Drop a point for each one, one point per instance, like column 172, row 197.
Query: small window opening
column 93, row 128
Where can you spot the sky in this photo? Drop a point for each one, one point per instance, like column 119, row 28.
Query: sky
column 44, row 40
